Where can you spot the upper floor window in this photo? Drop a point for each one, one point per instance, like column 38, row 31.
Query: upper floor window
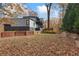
column 27, row 22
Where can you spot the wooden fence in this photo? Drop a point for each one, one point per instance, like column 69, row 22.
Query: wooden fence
column 16, row 33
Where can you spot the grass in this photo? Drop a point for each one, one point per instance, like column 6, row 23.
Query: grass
column 37, row 45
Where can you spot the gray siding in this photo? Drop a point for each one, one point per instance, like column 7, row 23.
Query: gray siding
column 19, row 22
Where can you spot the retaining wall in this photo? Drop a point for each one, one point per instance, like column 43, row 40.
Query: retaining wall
column 16, row 33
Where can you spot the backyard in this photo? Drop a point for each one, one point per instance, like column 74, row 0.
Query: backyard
column 38, row 45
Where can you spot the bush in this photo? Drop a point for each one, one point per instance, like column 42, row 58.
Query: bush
column 49, row 31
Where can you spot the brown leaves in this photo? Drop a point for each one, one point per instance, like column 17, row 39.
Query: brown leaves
column 42, row 44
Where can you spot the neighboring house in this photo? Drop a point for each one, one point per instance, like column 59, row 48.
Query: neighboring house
column 24, row 24
column 24, row 18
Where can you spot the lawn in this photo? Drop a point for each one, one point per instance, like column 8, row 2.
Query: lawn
column 37, row 45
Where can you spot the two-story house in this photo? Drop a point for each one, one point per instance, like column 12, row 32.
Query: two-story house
column 27, row 23
column 24, row 18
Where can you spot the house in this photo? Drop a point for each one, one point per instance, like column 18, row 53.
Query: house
column 28, row 23
column 18, row 18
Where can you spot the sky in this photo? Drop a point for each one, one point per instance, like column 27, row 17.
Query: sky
column 41, row 10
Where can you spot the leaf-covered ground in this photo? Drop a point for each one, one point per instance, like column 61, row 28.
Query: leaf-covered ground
column 37, row 45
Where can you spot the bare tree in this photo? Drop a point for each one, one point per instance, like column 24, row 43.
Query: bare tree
column 48, row 6
column 12, row 9
column 63, row 7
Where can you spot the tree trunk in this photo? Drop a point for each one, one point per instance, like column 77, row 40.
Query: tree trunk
column 48, row 19
column 48, row 14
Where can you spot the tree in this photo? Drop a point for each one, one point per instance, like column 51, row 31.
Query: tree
column 48, row 6
column 76, row 23
column 62, row 9
column 12, row 9
column 71, row 19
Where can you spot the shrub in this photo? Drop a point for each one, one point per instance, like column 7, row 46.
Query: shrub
column 71, row 18
column 50, row 31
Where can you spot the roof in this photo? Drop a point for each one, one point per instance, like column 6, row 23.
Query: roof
column 36, row 18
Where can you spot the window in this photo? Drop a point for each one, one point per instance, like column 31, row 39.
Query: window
column 34, row 24
column 27, row 22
